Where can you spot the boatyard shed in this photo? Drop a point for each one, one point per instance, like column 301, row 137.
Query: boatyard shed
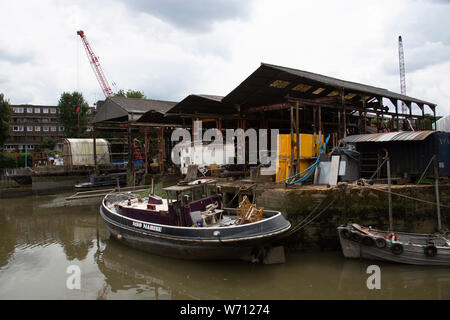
column 327, row 104
column 300, row 102
column 118, row 118
column 410, row 152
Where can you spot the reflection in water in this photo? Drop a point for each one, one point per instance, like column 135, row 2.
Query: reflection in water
column 40, row 237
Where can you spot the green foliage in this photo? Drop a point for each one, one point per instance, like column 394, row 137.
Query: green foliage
column 5, row 119
column 68, row 116
column 7, row 160
column 47, row 144
column 130, row 94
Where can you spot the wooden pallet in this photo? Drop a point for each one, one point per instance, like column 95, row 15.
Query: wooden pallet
column 249, row 212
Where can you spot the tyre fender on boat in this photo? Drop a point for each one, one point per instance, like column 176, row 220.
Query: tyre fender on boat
column 380, row 242
column 368, row 241
column 346, row 234
column 397, row 248
column 356, row 237
column 430, row 250
column 392, row 235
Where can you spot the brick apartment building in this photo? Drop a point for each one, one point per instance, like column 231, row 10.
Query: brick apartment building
column 31, row 122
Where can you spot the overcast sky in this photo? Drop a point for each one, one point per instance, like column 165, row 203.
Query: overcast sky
column 172, row 48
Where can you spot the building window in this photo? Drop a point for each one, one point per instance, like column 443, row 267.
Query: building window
column 18, row 110
column 45, row 119
column 37, row 128
column 29, row 110
column 17, row 128
column 52, row 110
column 29, row 128
column 46, row 128
column 37, row 110
column 53, row 128
column 45, row 110
column 61, row 128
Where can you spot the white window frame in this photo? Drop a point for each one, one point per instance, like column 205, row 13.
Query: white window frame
column 53, row 110
column 61, row 128
column 19, row 128
column 45, row 110
column 37, row 110
column 45, row 128
column 37, row 128
column 28, row 128
column 18, row 110
column 53, row 128
column 29, row 110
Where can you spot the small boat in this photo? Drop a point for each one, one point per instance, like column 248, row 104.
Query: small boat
column 401, row 247
column 191, row 223
column 97, row 181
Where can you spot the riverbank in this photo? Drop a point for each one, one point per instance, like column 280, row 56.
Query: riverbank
column 365, row 205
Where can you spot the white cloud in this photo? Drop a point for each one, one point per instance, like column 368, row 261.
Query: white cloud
column 168, row 54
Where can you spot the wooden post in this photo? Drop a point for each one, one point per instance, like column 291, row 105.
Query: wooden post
column 380, row 103
column 130, row 175
column 339, row 125
column 291, row 169
column 161, row 149
column 315, row 129
column 297, row 132
column 146, row 151
column 95, row 147
column 365, row 114
column 344, row 112
column 320, row 128
column 436, row 187
column 388, row 163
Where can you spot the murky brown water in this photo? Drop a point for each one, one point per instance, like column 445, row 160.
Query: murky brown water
column 40, row 238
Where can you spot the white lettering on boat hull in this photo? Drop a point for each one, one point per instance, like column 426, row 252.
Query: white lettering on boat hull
column 146, row 226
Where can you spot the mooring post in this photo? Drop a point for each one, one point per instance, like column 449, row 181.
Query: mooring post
column 436, row 187
column 388, row 163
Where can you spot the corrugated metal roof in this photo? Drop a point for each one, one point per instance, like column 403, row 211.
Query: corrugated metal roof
column 122, row 108
column 263, row 87
column 135, row 105
column 201, row 103
column 389, row 136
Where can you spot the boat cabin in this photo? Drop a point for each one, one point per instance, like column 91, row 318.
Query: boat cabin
column 196, row 204
column 193, row 203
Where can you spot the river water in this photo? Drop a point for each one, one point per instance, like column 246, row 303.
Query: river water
column 43, row 237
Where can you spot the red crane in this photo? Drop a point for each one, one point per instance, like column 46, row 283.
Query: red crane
column 95, row 64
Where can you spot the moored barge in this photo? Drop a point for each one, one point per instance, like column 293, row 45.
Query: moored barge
column 191, row 223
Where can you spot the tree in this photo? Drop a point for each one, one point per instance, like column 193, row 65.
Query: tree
column 71, row 106
column 5, row 119
column 46, row 143
column 130, row 94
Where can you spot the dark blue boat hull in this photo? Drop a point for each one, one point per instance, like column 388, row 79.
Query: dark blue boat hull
column 235, row 242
